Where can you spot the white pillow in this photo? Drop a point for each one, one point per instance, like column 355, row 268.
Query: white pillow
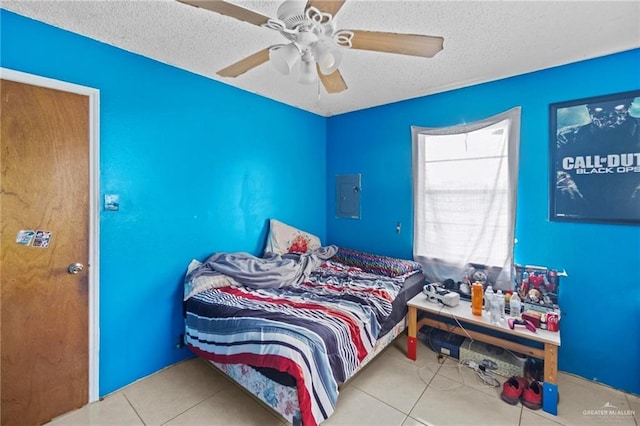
column 283, row 239
column 205, row 282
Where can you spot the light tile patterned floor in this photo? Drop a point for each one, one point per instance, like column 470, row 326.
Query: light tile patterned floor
column 392, row 390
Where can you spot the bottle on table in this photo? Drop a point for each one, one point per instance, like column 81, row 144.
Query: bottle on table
column 494, row 308
column 476, row 298
column 500, row 301
column 515, row 305
column 488, row 294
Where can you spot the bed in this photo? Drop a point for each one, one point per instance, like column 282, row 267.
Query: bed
column 292, row 328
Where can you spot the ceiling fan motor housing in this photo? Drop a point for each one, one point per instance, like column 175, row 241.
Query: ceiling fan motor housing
column 292, row 13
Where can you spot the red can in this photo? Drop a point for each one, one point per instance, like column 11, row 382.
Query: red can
column 552, row 321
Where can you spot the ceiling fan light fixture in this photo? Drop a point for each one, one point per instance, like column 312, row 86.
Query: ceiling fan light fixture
column 308, row 73
column 284, row 57
column 329, row 61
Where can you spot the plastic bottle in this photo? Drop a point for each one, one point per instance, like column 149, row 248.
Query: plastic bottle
column 488, row 299
column 476, row 299
column 515, row 305
column 494, row 305
column 500, row 301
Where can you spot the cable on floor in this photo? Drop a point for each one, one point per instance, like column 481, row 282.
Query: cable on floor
column 484, row 375
column 481, row 371
column 429, row 382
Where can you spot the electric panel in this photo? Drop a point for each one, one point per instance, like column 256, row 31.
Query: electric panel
column 348, row 189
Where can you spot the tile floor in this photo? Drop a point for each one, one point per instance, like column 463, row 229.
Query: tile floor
column 392, row 390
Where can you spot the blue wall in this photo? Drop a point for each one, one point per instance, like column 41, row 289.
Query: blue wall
column 199, row 167
column 601, row 297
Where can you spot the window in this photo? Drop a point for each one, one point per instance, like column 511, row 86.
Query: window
column 465, row 183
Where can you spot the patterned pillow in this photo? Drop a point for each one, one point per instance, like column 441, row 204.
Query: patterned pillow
column 375, row 264
column 283, row 239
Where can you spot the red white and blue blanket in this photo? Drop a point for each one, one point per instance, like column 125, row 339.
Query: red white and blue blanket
column 318, row 330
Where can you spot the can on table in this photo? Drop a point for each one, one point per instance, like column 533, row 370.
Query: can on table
column 552, row 321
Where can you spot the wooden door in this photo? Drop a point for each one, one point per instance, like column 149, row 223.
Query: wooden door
column 44, row 186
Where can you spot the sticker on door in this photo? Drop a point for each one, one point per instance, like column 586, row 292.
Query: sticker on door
column 25, row 237
column 42, row 239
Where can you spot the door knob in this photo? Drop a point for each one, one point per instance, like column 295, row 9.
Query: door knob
column 74, row 268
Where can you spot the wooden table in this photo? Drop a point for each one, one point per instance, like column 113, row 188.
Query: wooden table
column 462, row 313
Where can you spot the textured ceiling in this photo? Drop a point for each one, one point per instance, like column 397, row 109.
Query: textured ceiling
column 484, row 41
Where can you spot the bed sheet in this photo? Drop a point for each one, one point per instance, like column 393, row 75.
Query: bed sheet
column 411, row 287
column 319, row 331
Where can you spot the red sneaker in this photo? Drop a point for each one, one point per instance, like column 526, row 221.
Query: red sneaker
column 532, row 396
column 512, row 389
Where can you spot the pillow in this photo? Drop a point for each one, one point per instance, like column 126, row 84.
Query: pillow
column 204, row 282
column 375, row 264
column 284, row 239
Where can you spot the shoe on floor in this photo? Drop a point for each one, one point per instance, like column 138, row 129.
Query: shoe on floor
column 512, row 389
column 532, row 396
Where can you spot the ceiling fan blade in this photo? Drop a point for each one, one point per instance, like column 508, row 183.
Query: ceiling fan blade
column 333, row 83
column 229, row 9
column 404, row 44
column 245, row 64
column 326, row 6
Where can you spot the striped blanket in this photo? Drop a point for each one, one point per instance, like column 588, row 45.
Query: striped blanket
column 318, row 331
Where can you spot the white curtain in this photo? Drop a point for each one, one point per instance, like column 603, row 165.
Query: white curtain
column 465, row 184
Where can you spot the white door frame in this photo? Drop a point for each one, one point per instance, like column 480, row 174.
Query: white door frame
column 94, row 209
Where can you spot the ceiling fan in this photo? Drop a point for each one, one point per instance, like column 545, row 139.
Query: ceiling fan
column 314, row 43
